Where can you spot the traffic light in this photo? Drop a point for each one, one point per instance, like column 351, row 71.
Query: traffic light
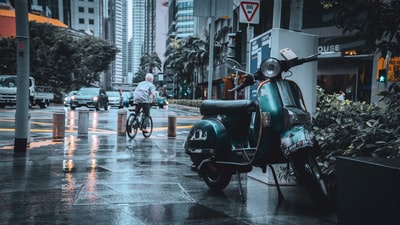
column 232, row 46
column 382, row 75
column 237, row 46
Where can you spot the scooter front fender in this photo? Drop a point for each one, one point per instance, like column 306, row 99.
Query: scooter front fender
column 297, row 138
column 207, row 137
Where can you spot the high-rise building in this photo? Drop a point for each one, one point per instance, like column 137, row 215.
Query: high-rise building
column 87, row 16
column 115, row 31
column 184, row 26
column 144, row 32
column 161, row 30
column 138, row 32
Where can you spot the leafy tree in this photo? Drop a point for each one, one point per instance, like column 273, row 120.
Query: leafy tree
column 60, row 58
column 377, row 22
column 96, row 55
column 8, row 63
column 52, row 52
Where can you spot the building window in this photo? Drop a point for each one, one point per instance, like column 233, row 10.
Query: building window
column 90, row 1
column 81, row 20
column 91, row 10
column 81, row 9
column 91, row 21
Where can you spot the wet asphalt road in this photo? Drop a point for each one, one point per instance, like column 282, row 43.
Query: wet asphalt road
column 105, row 178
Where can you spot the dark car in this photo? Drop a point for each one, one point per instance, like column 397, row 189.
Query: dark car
column 90, row 97
column 160, row 99
column 127, row 99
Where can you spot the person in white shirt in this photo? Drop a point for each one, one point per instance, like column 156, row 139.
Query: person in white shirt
column 341, row 95
column 144, row 95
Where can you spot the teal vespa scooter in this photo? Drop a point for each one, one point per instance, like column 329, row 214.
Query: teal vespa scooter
column 236, row 135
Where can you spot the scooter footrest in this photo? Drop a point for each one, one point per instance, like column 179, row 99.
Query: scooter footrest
column 244, row 149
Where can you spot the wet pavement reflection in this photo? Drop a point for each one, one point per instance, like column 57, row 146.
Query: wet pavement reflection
column 109, row 179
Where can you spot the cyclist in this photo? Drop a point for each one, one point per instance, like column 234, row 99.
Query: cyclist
column 144, row 95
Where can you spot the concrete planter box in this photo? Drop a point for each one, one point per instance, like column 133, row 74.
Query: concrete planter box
column 368, row 191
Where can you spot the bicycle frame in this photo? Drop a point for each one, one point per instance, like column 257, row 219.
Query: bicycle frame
column 135, row 121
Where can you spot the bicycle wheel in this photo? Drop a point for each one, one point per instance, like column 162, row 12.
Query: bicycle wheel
column 131, row 126
column 149, row 128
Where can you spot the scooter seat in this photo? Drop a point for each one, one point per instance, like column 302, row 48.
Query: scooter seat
column 213, row 107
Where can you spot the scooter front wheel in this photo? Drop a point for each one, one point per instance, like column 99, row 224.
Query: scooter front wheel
column 216, row 179
column 309, row 173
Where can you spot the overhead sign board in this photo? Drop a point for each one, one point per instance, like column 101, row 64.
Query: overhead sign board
column 249, row 11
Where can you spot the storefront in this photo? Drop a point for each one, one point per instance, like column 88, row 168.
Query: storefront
column 346, row 71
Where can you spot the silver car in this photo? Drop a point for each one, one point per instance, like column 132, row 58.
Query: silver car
column 114, row 99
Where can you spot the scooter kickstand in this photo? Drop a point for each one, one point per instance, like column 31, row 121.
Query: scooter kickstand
column 280, row 195
column 240, row 187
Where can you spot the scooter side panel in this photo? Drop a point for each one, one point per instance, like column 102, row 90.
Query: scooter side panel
column 207, row 136
column 270, row 101
column 269, row 142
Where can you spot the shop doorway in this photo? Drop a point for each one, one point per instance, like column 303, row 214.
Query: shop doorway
column 340, row 82
column 354, row 80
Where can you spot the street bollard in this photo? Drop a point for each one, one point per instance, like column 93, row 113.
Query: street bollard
column 58, row 125
column 172, row 125
column 122, row 114
column 29, row 129
column 83, row 122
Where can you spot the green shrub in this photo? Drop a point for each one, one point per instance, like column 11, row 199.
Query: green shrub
column 348, row 128
column 187, row 102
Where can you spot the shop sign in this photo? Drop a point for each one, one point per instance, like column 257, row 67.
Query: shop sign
column 329, row 48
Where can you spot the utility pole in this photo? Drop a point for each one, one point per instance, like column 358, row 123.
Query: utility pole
column 296, row 15
column 22, row 43
column 211, row 55
column 212, row 9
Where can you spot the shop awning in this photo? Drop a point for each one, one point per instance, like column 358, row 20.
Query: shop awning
column 7, row 22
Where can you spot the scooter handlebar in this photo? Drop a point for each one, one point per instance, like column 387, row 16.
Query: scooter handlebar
column 296, row 62
column 249, row 80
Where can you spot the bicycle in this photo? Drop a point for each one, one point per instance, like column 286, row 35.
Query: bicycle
column 134, row 122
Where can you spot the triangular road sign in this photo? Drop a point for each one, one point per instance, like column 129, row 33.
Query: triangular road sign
column 250, row 9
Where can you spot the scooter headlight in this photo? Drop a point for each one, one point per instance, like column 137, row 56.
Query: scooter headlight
column 270, row 68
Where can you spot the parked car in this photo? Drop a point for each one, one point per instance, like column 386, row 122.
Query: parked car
column 127, row 99
column 90, row 97
column 161, row 99
column 67, row 99
column 114, row 99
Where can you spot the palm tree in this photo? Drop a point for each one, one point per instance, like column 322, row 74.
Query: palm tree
column 198, row 54
column 148, row 62
column 186, row 56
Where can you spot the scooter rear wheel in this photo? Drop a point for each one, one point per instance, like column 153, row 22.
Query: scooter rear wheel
column 217, row 179
column 309, row 173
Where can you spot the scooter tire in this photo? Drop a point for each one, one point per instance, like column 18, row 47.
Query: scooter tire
column 307, row 170
column 217, row 179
